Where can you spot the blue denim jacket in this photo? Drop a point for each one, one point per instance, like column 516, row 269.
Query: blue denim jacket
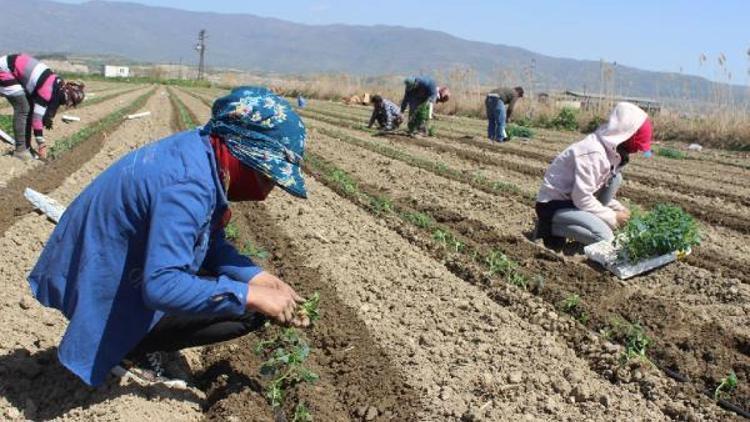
column 418, row 91
column 127, row 251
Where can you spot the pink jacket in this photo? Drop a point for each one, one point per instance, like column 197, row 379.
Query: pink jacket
column 584, row 167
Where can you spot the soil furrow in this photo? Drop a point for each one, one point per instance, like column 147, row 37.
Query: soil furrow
column 474, row 177
column 354, row 372
column 48, row 177
column 560, row 280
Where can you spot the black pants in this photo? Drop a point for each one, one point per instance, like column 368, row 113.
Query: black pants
column 176, row 332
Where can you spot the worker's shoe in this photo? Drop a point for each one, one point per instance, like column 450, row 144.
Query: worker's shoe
column 23, row 154
column 149, row 370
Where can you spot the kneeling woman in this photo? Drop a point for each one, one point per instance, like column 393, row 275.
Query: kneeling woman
column 123, row 263
column 577, row 197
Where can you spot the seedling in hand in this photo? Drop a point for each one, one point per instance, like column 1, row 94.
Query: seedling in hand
column 309, row 309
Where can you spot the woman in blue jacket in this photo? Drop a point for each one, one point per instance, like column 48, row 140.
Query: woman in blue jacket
column 123, row 263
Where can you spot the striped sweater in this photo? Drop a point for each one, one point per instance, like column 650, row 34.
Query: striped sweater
column 21, row 74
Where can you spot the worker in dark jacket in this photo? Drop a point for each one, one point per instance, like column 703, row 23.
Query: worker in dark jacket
column 500, row 103
column 420, row 94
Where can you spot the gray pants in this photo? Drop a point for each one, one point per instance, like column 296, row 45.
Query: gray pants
column 582, row 226
column 21, row 121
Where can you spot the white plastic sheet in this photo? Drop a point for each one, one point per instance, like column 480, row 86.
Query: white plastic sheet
column 51, row 208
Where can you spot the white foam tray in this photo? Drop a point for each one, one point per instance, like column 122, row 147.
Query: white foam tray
column 51, row 208
column 606, row 254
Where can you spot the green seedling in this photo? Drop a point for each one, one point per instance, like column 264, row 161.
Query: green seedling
column 231, row 231
column 671, row 153
column 479, row 178
column 431, row 131
column 104, row 124
column 667, row 228
column 344, row 181
column 285, row 356
column 253, row 251
column 572, row 306
column 634, row 338
column 519, row 131
column 419, row 219
column 380, row 205
column 310, row 308
column 302, row 413
column 447, row 240
column 499, row 264
column 727, row 385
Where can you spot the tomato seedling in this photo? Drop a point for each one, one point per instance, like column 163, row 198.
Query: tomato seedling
column 726, row 386
column 285, row 356
column 667, row 228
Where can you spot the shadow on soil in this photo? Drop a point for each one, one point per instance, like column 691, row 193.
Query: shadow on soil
column 42, row 389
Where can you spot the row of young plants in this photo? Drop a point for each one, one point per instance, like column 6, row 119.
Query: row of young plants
column 6, row 120
column 495, row 262
column 106, row 123
column 475, row 180
column 631, row 335
column 648, row 198
column 187, row 120
column 475, row 127
column 283, row 349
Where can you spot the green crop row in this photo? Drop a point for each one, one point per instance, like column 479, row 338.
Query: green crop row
column 105, row 123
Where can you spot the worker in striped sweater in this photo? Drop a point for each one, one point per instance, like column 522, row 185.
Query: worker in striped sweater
column 35, row 92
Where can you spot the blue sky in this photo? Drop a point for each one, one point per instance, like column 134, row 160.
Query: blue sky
column 663, row 35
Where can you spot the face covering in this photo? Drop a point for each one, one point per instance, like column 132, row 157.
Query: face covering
column 641, row 139
column 624, row 154
column 240, row 182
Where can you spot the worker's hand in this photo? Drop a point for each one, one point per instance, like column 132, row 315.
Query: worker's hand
column 274, row 303
column 622, row 217
column 267, row 280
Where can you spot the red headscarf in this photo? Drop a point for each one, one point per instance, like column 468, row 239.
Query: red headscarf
column 641, row 139
column 240, row 182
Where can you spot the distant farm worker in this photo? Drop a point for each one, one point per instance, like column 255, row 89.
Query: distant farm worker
column 576, row 199
column 35, row 93
column 386, row 113
column 420, row 94
column 499, row 104
column 123, row 263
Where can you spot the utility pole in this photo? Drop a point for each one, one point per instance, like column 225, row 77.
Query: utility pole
column 201, row 49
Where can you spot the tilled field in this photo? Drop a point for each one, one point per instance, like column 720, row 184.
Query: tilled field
column 401, row 238
column 695, row 312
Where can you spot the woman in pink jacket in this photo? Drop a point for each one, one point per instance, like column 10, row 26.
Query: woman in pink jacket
column 576, row 199
column 36, row 93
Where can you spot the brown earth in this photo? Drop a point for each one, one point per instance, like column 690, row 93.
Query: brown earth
column 33, row 385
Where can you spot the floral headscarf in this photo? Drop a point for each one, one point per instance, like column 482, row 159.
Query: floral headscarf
column 263, row 132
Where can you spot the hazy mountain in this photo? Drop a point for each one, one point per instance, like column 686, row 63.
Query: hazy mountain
column 254, row 43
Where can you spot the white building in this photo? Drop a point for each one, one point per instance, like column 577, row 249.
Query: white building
column 116, row 71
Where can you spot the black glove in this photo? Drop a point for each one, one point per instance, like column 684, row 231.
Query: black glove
column 47, row 121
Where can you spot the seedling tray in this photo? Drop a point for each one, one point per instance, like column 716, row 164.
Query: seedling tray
column 607, row 255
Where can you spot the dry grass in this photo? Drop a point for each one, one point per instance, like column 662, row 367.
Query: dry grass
column 719, row 122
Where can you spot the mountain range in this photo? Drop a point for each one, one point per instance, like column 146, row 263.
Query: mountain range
column 259, row 44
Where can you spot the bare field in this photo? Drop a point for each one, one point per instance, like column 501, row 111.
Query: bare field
column 415, row 327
